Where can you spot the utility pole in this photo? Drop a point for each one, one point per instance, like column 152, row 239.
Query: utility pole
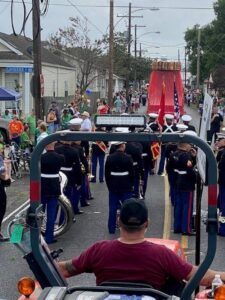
column 198, row 59
column 185, row 66
column 140, row 53
column 128, row 50
column 198, row 66
column 38, row 104
column 111, row 46
column 129, row 45
column 135, row 53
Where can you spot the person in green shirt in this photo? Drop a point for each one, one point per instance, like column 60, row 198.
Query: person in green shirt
column 37, row 131
column 65, row 118
column 31, row 122
column 25, row 141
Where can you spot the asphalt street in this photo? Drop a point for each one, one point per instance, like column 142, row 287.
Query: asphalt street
column 92, row 226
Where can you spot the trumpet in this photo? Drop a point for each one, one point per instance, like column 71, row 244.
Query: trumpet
column 141, row 192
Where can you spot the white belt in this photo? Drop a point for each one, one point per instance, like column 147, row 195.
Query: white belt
column 135, row 163
column 144, row 154
column 66, row 169
column 119, row 173
column 49, row 175
column 180, row 172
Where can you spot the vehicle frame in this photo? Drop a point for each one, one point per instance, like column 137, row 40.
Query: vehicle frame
column 47, row 264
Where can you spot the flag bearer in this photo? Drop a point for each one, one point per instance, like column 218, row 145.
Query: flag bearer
column 186, row 120
column 119, row 176
column 168, row 127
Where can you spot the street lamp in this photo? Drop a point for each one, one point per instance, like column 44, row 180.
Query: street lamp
column 149, row 32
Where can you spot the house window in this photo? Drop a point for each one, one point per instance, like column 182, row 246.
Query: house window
column 53, row 88
column 66, row 88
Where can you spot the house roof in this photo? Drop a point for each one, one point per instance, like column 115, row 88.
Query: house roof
column 25, row 46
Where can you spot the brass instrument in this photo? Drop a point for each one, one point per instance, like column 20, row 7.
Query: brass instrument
column 141, row 192
column 90, row 175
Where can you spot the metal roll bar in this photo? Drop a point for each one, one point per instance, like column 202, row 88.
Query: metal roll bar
column 46, row 265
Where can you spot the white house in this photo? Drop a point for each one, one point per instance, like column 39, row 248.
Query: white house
column 16, row 70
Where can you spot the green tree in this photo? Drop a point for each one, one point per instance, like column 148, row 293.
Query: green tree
column 75, row 41
column 212, row 45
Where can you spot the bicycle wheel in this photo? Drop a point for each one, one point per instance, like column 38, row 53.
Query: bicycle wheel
column 64, row 217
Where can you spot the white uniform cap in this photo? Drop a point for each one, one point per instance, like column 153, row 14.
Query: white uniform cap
column 190, row 132
column 124, row 114
column 220, row 135
column 117, row 143
column 122, row 129
column 169, row 116
column 181, row 127
column 153, row 115
column 186, row 118
column 75, row 121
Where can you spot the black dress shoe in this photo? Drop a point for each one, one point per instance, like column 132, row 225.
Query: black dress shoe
column 91, row 198
column 101, row 181
column 85, row 204
column 189, row 233
column 80, row 212
column 52, row 242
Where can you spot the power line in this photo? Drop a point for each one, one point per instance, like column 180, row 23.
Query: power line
column 85, row 18
column 117, row 6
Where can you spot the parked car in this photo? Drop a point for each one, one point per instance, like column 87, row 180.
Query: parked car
column 4, row 128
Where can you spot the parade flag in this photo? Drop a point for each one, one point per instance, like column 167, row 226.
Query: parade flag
column 162, row 105
column 176, row 105
column 155, row 149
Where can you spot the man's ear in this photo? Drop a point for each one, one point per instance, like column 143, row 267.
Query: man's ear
column 147, row 223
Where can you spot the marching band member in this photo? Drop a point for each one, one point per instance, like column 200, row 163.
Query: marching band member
column 135, row 149
column 72, row 169
column 119, row 176
column 185, row 179
column 153, row 126
column 170, row 149
column 168, row 127
column 98, row 151
column 84, row 191
column 147, row 160
column 186, row 120
column 221, row 181
column 51, row 163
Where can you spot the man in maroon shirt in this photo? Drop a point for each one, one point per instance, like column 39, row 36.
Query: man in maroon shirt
column 132, row 258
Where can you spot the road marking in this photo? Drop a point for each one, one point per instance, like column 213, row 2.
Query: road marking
column 167, row 213
column 16, row 210
column 184, row 242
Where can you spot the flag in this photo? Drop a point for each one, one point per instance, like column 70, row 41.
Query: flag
column 162, row 105
column 155, row 149
column 176, row 105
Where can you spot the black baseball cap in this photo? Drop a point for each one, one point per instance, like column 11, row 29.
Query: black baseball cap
column 134, row 212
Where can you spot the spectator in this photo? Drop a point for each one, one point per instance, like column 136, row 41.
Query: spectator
column 15, row 129
column 51, row 118
column 65, row 118
column 31, row 122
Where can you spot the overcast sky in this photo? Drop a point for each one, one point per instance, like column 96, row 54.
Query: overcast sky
column 170, row 20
